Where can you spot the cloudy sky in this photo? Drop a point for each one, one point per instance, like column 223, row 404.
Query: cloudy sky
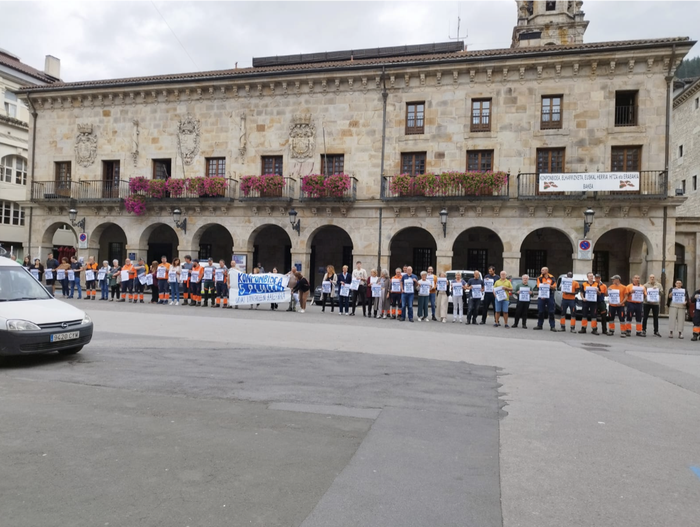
column 123, row 39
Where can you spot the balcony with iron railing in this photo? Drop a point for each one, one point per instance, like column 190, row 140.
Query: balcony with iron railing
column 449, row 186
column 626, row 115
column 99, row 190
column 52, row 191
column 653, row 184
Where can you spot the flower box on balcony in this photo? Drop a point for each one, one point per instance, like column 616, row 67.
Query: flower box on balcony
column 266, row 186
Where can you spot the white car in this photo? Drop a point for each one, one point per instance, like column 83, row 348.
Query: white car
column 32, row 320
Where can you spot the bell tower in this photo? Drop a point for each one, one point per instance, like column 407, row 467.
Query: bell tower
column 547, row 23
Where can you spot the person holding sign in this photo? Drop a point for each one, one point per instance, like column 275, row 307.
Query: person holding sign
column 152, row 281
column 385, row 304
column 185, row 279
column 457, row 287
column 617, row 296
column 162, row 277
column 590, row 290
column 220, row 285
column 396, row 290
column 208, row 283
column 374, row 293
column 424, row 286
column 103, row 280
column 91, row 278
column 140, row 280
column 409, row 283
column 174, row 282
column 38, row 269
column 328, row 288
column 568, row 288
column 442, row 300
column 523, row 292
column 501, row 289
column 678, row 302
column 433, row 291
column 196, row 283
column 51, row 265
column 652, row 302
column 359, row 276
column 114, row 281
column 489, row 297
column 545, row 299
column 76, row 266
column 635, row 297
column 62, row 276
column 127, row 275
column 344, row 281
column 476, row 287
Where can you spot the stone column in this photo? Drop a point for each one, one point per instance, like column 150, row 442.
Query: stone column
column 303, row 256
column 444, row 261
column 511, row 263
column 92, row 250
column 369, row 261
column 141, row 252
column 580, row 266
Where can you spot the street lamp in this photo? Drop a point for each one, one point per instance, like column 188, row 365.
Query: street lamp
column 443, row 220
column 296, row 223
column 177, row 214
column 587, row 221
column 72, row 214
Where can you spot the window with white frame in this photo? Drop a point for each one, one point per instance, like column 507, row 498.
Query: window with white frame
column 11, row 213
column 10, row 104
column 13, row 169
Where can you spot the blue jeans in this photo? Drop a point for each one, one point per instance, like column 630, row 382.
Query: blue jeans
column 432, row 304
column 407, row 305
column 545, row 306
column 104, row 289
column 344, row 302
column 73, row 285
column 174, row 291
column 423, row 306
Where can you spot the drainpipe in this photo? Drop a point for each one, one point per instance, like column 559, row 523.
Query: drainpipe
column 35, row 116
column 667, row 155
column 385, row 96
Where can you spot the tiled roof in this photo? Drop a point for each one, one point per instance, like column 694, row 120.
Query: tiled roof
column 16, row 64
column 366, row 63
column 692, row 86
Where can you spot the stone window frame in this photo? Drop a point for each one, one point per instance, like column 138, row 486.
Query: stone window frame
column 336, row 162
column 415, row 112
column 161, row 161
column 550, row 152
column 484, row 106
column 550, row 123
column 215, row 167
column 624, row 165
column 13, row 169
column 11, row 213
column 413, row 163
column 680, row 151
column 62, row 173
column 626, row 115
column 479, row 160
column 272, row 165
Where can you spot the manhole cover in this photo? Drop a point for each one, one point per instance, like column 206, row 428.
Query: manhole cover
column 595, row 345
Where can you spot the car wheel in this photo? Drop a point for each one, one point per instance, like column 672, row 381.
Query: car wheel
column 70, row 351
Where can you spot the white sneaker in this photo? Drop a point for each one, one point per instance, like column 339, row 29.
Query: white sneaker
column 454, row 320
column 170, row 303
column 384, row 316
column 460, row 320
column 177, row 303
column 418, row 319
column 301, row 311
column 444, row 320
column 340, row 314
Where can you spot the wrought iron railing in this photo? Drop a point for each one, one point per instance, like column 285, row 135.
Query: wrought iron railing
column 529, row 188
column 456, row 191
column 348, row 195
column 285, row 193
column 625, row 115
column 101, row 190
column 52, row 190
column 653, row 184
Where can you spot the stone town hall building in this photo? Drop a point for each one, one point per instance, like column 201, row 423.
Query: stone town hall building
column 549, row 103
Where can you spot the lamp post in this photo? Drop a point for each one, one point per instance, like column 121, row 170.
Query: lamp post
column 296, row 223
column 73, row 214
column 177, row 214
column 443, row 220
column 587, row 221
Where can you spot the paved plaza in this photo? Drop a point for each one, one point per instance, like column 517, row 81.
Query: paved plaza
column 183, row 416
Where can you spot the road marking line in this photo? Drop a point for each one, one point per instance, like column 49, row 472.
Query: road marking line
column 696, row 471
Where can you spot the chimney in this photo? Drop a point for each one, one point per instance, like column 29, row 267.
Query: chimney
column 52, row 66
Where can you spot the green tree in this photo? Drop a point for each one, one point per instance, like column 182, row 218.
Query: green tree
column 688, row 68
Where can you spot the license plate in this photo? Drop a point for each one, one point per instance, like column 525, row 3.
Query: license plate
column 58, row 337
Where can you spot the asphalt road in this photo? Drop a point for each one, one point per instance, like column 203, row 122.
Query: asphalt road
column 200, row 417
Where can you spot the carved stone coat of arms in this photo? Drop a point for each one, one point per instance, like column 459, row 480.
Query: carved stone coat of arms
column 302, row 137
column 85, row 145
column 188, row 138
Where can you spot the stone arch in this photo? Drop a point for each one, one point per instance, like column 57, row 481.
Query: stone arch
column 159, row 239
column 413, row 246
column 477, row 248
column 47, row 239
column 59, row 238
column 622, row 251
column 329, row 245
column 270, row 245
column 547, row 246
column 110, row 240
column 215, row 241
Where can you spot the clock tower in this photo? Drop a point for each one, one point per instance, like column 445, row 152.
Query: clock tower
column 558, row 22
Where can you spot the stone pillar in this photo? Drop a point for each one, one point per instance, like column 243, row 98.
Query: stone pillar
column 580, row 266
column 444, row 261
column 141, row 252
column 92, row 250
column 303, row 256
column 249, row 261
column 511, row 263
column 369, row 261
column 638, row 266
column 182, row 252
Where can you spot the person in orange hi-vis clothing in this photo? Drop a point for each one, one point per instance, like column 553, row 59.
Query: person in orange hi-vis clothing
column 91, row 279
column 162, row 277
column 635, row 297
column 140, row 281
column 617, row 296
column 590, row 289
column 196, row 284
column 127, row 275
column 220, row 275
column 568, row 287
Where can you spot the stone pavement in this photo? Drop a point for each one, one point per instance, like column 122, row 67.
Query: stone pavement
column 364, row 422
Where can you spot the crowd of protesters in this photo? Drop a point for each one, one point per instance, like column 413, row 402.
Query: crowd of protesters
column 616, row 306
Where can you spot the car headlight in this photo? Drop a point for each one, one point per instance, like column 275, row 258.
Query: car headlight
column 22, row 325
column 86, row 320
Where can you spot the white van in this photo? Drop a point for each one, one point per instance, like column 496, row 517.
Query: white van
column 32, row 320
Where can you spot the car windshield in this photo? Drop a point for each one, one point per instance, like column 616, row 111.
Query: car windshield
column 16, row 284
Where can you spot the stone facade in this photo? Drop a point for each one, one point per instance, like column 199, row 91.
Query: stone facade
column 245, row 114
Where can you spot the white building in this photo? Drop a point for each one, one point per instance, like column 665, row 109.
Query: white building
column 14, row 143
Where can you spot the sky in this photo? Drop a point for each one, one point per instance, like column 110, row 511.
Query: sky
column 100, row 40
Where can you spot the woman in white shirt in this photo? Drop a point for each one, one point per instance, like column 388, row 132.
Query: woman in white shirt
column 424, row 286
column 329, row 278
column 376, row 299
column 174, row 281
